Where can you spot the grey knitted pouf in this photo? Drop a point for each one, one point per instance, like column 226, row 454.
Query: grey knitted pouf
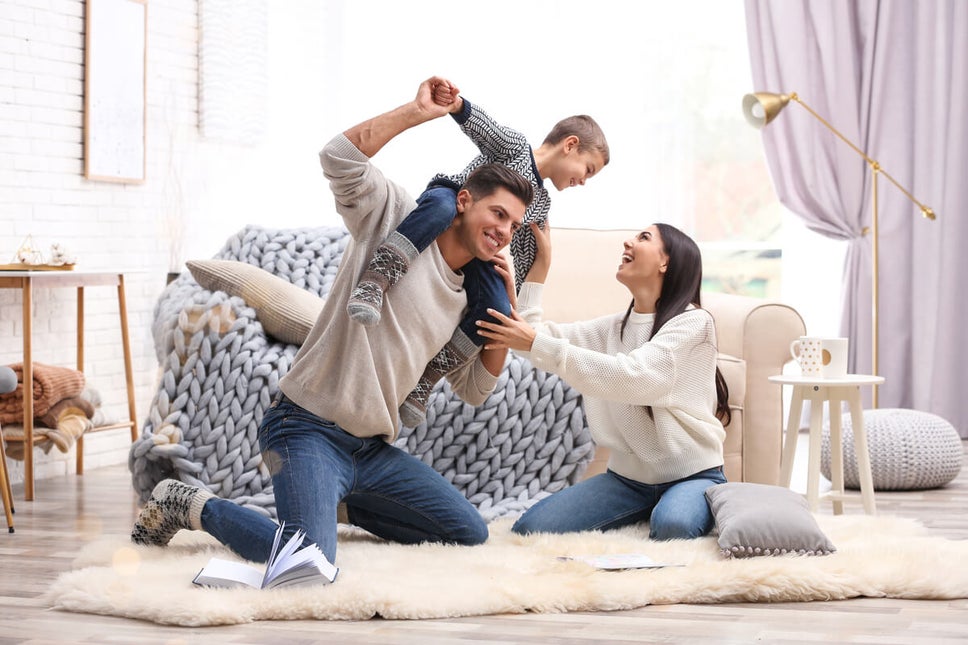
column 909, row 450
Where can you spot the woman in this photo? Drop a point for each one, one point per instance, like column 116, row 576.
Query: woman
column 652, row 392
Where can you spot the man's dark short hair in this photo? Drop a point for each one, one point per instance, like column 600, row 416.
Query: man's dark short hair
column 486, row 179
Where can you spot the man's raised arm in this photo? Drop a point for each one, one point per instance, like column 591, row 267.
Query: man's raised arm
column 371, row 135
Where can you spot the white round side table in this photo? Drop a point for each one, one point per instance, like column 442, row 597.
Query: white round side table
column 835, row 391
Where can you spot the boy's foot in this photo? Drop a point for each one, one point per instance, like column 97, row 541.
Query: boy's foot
column 365, row 303
column 413, row 412
column 390, row 262
column 457, row 352
column 172, row 506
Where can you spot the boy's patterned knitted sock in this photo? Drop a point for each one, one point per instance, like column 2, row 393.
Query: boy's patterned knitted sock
column 173, row 506
column 389, row 263
column 458, row 351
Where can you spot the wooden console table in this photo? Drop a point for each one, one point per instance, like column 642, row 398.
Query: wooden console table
column 26, row 281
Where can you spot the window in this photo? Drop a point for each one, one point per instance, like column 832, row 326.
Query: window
column 664, row 80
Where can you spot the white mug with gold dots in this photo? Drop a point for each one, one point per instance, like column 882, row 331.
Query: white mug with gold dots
column 820, row 357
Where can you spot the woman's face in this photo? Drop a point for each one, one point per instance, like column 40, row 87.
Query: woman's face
column 644, row 260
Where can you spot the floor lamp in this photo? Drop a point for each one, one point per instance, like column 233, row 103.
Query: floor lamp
column 759, row 109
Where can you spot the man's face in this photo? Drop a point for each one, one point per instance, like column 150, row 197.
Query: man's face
column 485, row 225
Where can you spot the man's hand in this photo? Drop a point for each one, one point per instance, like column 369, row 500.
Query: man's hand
column 370, row 136
column 511, row 333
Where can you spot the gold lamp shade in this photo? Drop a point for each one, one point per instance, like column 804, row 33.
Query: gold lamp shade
column 760, row 108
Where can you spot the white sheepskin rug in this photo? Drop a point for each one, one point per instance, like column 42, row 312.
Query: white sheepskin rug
column 877, row 556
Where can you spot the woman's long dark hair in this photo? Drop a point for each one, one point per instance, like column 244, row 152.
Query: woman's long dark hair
column 680, row 288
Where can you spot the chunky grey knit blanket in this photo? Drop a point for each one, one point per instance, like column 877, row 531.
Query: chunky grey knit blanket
column 220, row 371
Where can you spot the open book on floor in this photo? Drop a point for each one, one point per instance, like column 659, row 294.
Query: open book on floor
column 619, row 561
column 289, row 566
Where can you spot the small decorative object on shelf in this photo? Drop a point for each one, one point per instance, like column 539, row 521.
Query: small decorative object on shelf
column 28, row 253
column 60, row 256
column 30, row 258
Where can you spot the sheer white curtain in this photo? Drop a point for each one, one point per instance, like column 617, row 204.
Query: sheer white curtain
column 892, row 76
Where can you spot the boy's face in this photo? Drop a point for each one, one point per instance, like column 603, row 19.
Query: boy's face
column 485, row 225
column 574, row 168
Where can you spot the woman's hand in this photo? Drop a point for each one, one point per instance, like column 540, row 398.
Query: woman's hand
column 507, row 333
column 542, row 256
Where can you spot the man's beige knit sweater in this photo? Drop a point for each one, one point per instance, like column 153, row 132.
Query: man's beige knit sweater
column 359, row 376
column 619, row 377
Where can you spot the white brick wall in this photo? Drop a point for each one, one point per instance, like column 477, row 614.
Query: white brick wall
column 43, row 191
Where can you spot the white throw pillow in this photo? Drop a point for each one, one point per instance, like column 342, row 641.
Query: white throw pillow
column 286, row 311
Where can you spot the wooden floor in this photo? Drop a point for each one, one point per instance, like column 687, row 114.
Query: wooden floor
column 70, row 511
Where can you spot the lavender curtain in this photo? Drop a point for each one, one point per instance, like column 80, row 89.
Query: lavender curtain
column 892, row 76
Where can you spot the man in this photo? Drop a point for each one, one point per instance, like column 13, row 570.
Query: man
column 327, row 437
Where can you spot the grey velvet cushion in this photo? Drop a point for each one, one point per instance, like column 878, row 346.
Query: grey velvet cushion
column 759, row 519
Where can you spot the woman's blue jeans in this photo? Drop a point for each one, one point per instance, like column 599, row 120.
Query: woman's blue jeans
column 315, row 465
column 677, row 509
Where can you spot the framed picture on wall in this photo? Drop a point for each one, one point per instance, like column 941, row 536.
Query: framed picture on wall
column 115, row 62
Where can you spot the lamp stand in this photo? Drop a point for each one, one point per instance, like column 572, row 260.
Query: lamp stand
column 762, row 107
column 875, row 301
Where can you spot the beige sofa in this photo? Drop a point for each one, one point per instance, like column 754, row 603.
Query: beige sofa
column 754, row 341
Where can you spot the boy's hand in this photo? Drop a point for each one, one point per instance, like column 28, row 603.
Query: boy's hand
column 542, row 256
column 503, row 268
column 445, row 94
column 427, row 96
column 371, row 135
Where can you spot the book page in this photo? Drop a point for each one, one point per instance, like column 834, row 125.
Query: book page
column 290, row 565
column 282, row 561
column 308, row 565
column 295, row 564
column 225, row 573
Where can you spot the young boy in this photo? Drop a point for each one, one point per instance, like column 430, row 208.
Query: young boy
column 573, row 152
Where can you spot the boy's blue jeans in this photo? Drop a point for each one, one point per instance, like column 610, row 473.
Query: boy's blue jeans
column 435, row 211
column 677, row 509
column 315, row 464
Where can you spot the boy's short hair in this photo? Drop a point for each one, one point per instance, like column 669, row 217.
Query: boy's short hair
column 487, row 178
column 590, row 135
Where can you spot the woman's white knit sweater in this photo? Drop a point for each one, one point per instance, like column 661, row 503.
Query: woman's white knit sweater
column 620, row 375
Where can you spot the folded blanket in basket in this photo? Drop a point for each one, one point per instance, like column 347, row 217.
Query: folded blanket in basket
column 51, row 384
column 69, row 429
column 62, row 425
column 71, row 406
